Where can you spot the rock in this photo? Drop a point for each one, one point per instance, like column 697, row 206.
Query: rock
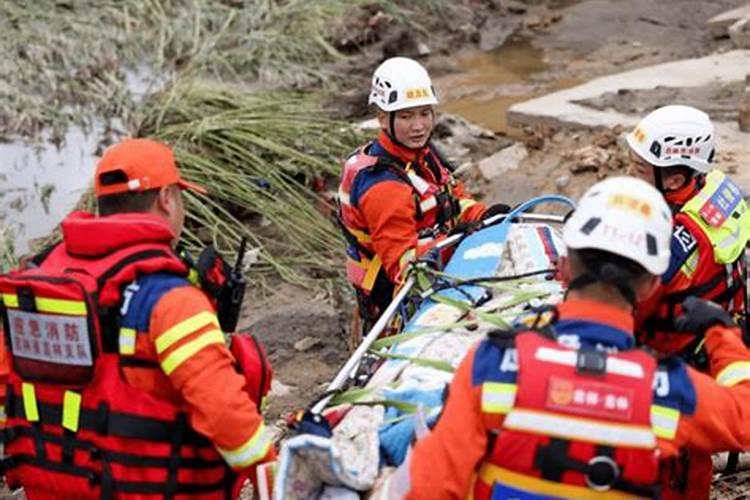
column 533, row 21
column 423, row 49
column 503, row 161
column 371, row 124
column 562, row 182
column 280, row 389
column 403, row 43
column 496, row 31
column 739, row 32
column 514, row 7
column 589, row 159
column 306, row 344
column 357, row 27
column 744, row 117
column 719, row 25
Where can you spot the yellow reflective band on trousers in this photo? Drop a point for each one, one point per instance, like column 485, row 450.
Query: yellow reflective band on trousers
column 664, row 421
column 185, row 328
column 361, row 236
column 250, row 451
column 498, row 397
column 729, row 239
column 373, row 268
column 47, row 305
column 734, row 373
column 491, row 474
column 126, row 341
column 71, row 410
column 30, row 408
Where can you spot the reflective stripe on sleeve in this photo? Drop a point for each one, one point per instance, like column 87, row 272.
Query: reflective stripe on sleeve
column 664, row 421
column 580, row 428
column 182, row 353
column 185, row 328
column 465, row 203
column 498, row 397
column 250, row 451
column 126, row 341
column 734, row 373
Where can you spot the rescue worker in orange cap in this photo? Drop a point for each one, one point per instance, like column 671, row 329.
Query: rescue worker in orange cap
column 673, row 148
column 122, row 385
column 567, row 406
column 397, row 195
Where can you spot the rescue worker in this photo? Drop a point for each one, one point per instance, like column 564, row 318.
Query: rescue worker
column 397, row 194
column 566, row 406
column 673, row 148
column 122, row 385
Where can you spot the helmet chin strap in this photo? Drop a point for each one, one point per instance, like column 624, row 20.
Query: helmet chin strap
column 658, row 180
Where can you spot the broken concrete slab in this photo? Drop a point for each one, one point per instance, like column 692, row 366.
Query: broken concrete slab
column 719, row 25
column 560, row 109
column 563, row 109
column 503, row 161
column 739, row 32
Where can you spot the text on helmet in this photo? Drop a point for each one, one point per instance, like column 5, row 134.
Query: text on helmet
column 418, row 93
column 630, row 204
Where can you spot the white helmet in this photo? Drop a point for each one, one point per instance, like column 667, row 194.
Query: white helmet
column 624, row 216
column 675, row 135
column 401, row 83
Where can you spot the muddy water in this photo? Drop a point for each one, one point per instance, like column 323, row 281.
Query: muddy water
column 488, row 83
column 40, row 183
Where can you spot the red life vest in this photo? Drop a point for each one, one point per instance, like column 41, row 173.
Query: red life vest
column 701, row 223
column 75, row 427
column 578, row 425
column 437, row 210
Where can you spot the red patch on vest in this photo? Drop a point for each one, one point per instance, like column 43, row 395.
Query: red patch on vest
column 589, row 398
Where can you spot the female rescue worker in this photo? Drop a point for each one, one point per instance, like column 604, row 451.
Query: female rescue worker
column 397, row 195
column 569, row 407
column 122, row 385
column 672, row 149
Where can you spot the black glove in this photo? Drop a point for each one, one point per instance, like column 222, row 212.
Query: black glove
column 699, row 315
column 465, row 227
column 496, row 209
column 430, row 259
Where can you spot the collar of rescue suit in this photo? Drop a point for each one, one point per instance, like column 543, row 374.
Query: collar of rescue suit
column 681, row 196
column 86, row 234
column 596, row 323
column 402, row 153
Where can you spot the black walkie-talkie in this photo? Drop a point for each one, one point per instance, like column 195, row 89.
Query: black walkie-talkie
column 232, row 293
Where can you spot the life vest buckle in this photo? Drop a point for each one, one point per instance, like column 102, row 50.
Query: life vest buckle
column 602, row 473
column 591, row 362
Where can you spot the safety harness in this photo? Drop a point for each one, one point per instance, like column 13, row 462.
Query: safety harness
column 436, row 207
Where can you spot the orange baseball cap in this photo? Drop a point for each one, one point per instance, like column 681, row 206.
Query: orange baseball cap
column 135, row 165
